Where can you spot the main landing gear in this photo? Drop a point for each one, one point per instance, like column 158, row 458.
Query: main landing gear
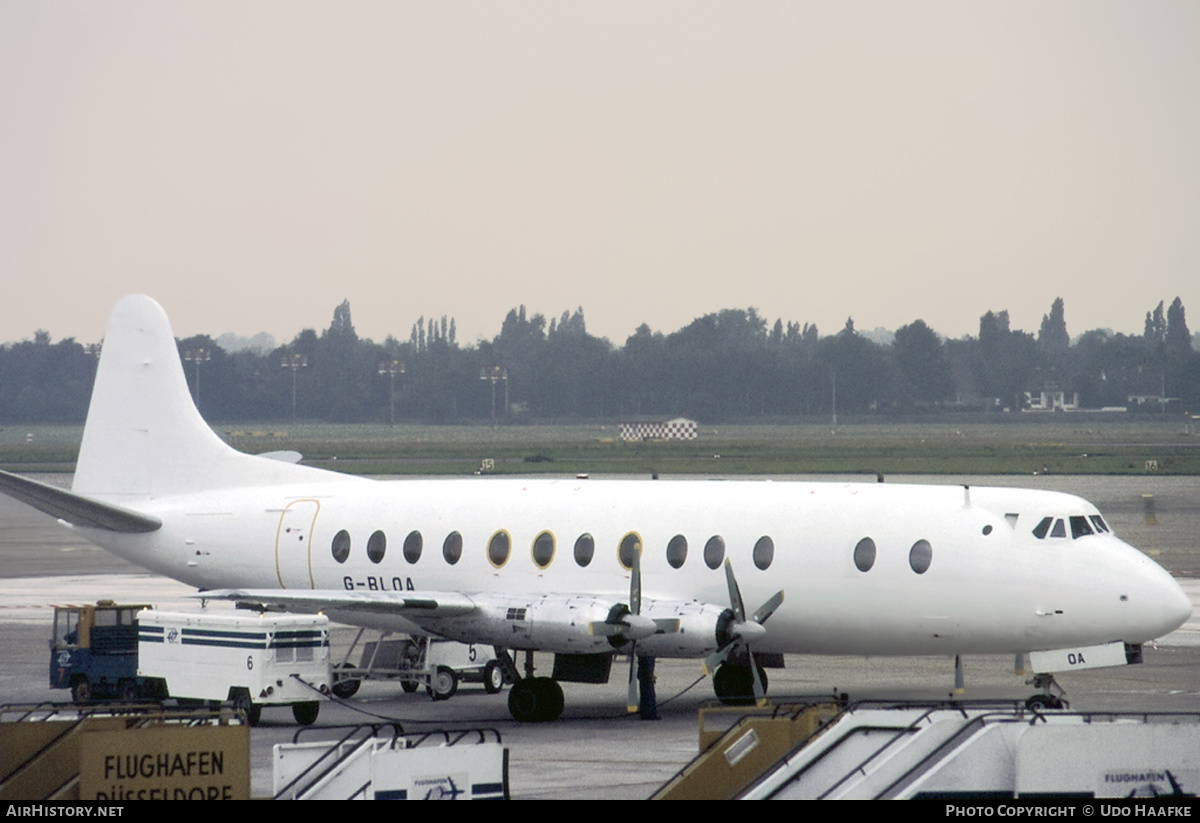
column 733, row 684
column 534, row 699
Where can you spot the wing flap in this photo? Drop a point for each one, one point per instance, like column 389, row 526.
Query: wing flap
column 429, row 604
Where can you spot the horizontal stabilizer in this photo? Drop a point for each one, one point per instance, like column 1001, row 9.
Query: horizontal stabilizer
column 74, row 508
column 404, row 604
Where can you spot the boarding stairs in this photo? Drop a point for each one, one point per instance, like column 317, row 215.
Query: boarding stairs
column 873, row 750
column 381, row 762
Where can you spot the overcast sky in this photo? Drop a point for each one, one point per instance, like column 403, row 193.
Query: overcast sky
column 252, row 164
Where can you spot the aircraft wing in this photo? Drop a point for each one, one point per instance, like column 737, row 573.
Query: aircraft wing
column 411, row 604
column 554, row 622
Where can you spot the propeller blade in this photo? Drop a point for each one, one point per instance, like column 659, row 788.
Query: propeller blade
column 598, row 628
column 716, row 659
column 637, row 627
column 631, row 627
column 760, row 694
column 632, row 701
column 635, row 582
column 767, row 609
column 735, row 594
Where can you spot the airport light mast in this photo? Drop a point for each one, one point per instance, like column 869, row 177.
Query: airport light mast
column 495, row 374
column 391, row 368
column 197, row 356
column 295, row 362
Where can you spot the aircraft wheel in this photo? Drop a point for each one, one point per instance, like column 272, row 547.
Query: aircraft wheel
column 523, row 701
column 535, row 700
column 734, row 685
column 1043, row 701
column 409, row 686
column 81, row 691
column 493, row 677
column 553, row 698
column 444, row 684
column 345, row 686
column 306, row 713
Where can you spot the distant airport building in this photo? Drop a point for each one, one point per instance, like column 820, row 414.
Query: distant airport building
column 677, row 428
column 1051, row 400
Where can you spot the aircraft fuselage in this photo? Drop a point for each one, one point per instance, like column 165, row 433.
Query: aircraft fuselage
column 948, row 570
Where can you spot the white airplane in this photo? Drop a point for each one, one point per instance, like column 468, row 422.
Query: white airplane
column 590, row 569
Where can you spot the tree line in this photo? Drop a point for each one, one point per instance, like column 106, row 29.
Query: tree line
column 729, row 366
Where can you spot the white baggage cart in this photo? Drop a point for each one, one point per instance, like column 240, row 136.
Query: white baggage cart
column 253, row 661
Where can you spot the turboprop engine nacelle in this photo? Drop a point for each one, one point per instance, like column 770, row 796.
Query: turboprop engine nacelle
column 552, row 623
column 564, row 624
column 697, row 635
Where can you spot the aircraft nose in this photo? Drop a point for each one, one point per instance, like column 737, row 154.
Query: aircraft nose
column 1177, row 606
column 1166, row 605
column 1159, row 602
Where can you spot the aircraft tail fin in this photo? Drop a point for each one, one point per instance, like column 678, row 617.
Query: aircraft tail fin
column 144, row 437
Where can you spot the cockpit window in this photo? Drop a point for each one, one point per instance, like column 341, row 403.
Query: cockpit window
column 1080, row 527
column 1039, row 531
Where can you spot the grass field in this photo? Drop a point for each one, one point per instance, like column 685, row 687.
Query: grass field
column 1021, row 445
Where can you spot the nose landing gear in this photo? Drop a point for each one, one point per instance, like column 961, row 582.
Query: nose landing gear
column 1047, row 699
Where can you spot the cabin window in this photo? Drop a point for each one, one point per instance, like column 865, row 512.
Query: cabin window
column 543, row 549
column 764, row 552
column 452, row 548
column 341, row 546
column 585, row 548
column 677, row 551
column 864, row 554
column 714, row 551
column 630, row 543
column 987, row 529
column 1080, row 527
column 920, row 555
column 376, row 546
column 1042, row 528
column 412, row 546
column 498, row 548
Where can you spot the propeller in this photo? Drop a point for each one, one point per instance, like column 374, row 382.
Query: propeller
column 625, row 624
column 735, row 631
